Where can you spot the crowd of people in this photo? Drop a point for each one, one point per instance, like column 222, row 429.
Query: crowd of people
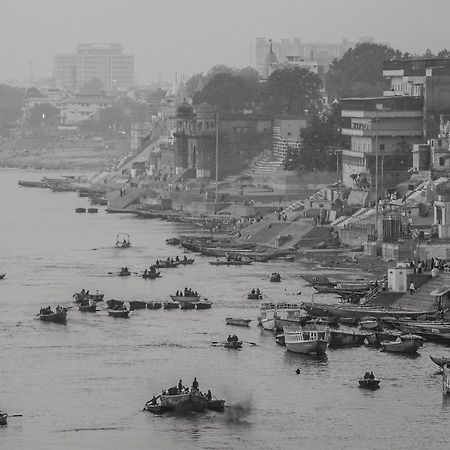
column 48, row 310
column 369, row 376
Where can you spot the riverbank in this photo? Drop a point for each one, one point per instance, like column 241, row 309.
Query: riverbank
column 79, row 154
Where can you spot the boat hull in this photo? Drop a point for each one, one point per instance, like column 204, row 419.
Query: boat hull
column 268, row 324
column 369, row 384
column 318, row 347
column 238, row 322
column 117, row 313
column 401, row 347
column 340, row 339
column 3, row 418
column 54, row 317
column 183, row 402
column 440, row 361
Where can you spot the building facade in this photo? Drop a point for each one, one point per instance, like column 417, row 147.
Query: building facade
column 82, row 106
column 383, row 126
column 241, row 137
column 106, row 62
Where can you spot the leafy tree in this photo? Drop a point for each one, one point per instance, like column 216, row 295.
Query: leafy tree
column 320, row 142
column 359, row 72
column 292, row 90
column 229, row 93
column 43, row 114
column 11, row 99
column 93, row 85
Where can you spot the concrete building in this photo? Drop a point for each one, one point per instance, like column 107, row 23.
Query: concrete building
column 294, row 61
column 105, row 62
column 82, row 106
column 390, row 124
column 425, row 78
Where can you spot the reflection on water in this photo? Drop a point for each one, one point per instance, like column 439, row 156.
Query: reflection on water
column 83, row 385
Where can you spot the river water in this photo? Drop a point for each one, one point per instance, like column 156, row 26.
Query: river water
column 83, row 385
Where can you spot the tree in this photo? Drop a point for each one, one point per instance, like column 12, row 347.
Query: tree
column 359, row 72
column 93, row 85
column 293, row 91
column 229, row 93
column 320, row 142
column 43, row 114
column 11, row 100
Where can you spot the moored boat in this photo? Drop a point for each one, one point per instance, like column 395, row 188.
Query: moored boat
column 151, row 274
column 171, row 305
column 203, row 304
column 368, row 323
column 122, row 312
column 238, row 322
column 242, row 262
column 173, row 241
column 255, row 295
column 185, row 261
column 124, row 272
column 401, row 346
column 38, row 184
column 446, row 380
column 233, row 344
column 154, row 305
column 275, row 278
column 311, row 338
column 87, row 307
column 137, row 304
column 123, row 240
column 80, row 210
column 2, row 276
column 92, row 210
column 350, row 338
column 440, row 361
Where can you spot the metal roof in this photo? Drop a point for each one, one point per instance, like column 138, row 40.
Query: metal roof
column 440, row 291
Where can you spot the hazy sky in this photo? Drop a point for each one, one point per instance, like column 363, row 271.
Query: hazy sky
column 190, row 36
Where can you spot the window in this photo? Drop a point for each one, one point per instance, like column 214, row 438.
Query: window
column 441, row 162
column 381, row 146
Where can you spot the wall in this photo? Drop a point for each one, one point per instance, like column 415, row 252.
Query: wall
column 436, row 102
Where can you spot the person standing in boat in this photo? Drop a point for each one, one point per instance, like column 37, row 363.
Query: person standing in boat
column 180, row 386
column 195, row 384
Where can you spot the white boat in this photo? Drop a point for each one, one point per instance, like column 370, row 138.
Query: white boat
column 289, row 314
column 267, row 311
column 310, row 338
column 268, row 323
column 368, row 323
column 446, row 380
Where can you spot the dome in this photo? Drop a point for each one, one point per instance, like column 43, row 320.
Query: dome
column 205, row 111
column 184, row 110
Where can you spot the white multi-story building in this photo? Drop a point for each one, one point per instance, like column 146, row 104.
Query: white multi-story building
column 105, row 62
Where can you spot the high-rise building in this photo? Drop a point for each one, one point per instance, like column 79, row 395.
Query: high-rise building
column 105, row 62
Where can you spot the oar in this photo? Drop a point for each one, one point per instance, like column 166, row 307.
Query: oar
column 251, row 343
column 15, row 415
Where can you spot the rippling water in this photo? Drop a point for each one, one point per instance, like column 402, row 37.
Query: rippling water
column 83, row 385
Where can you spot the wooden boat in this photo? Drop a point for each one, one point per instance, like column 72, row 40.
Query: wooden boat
column 192, row 401
column 401, row 346
column 203, row 304
column 2, row 276
column 440, row 361
column 367, row 383
column 114, row 304
column 242, row 262
column 187, row 305
column 122, row 313
column 97, row 297
column 171, row 305
column 311, row 338
column 154, row 305
column 173, row 241
column 124, row 272
column 185, row 299
column 136, row 304
column 254, row 296
column 149, row 275
column 185, row 262
column 340, row 338
column 216, row 404
column 446, row 380
column 3, row 418
column 38, row 184
column 233, row 344
column 123, row 240
column 88, row 307
column 59, row 316
column 238, row 322
column 80, row 210
column 349, row 321
column 275, row 278
column 166, row 264
column 368, row 323
column 92, row 210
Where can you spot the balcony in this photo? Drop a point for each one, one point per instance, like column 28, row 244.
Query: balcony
column 382, row 106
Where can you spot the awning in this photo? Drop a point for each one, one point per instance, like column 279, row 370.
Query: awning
column 440, row 291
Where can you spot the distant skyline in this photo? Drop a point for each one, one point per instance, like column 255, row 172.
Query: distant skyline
column 192, row 36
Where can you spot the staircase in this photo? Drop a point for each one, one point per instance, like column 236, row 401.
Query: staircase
column 421, row 300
